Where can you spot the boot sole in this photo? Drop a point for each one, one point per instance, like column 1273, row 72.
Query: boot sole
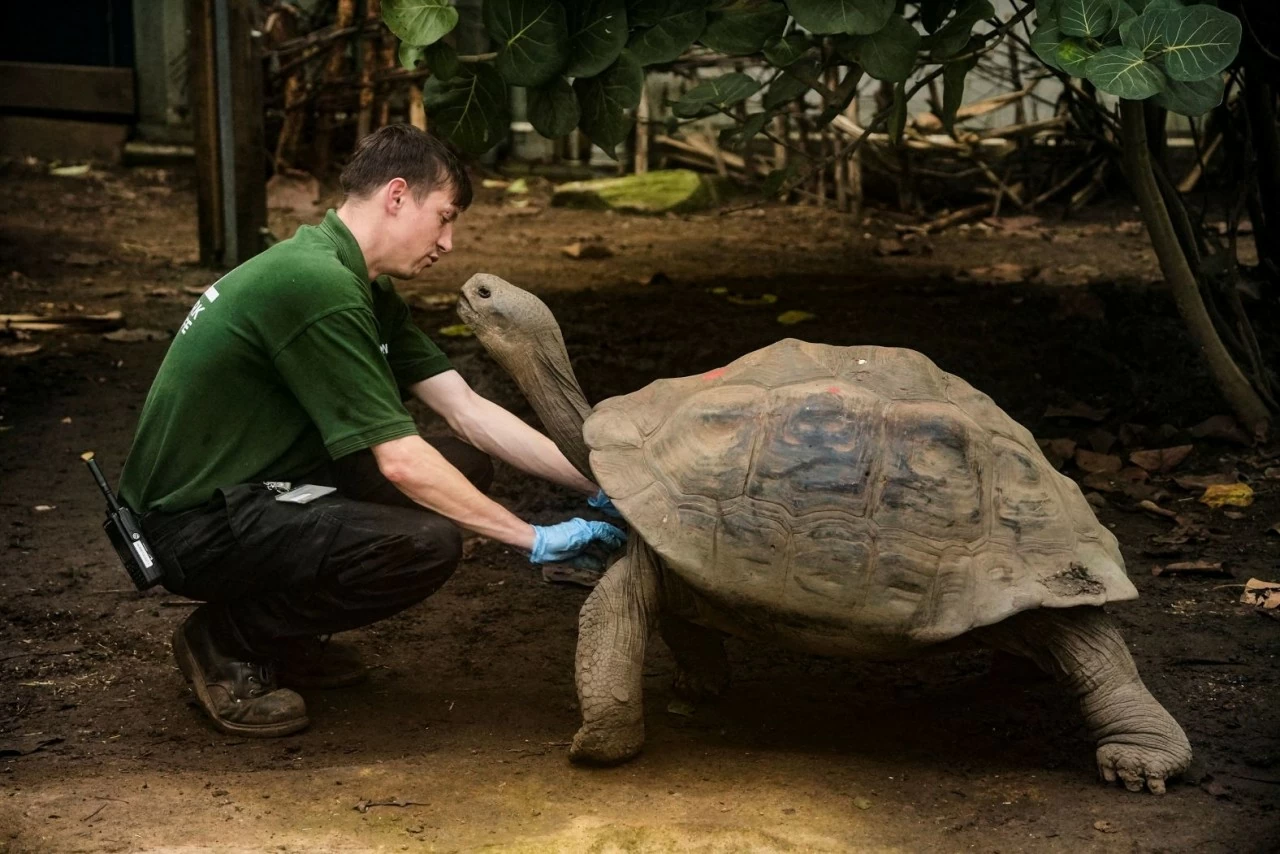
column 194, row 674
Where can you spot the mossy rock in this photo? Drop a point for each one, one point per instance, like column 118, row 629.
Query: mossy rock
column 663, row 191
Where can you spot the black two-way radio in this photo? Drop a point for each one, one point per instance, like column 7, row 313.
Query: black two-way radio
column 126, row 535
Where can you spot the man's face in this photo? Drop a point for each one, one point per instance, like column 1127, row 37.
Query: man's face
column 421, row 230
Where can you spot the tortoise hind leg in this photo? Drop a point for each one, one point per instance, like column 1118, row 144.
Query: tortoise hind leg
column 1138, row 741
column 702, row 669
column 613, row 631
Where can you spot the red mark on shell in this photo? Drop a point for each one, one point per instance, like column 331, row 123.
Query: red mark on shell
column 833, row 389
column 714, row 375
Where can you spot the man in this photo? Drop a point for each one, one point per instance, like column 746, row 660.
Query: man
column 291, row 370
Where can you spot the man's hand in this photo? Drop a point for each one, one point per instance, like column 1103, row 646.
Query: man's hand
column 601, row 502
column 568, row 540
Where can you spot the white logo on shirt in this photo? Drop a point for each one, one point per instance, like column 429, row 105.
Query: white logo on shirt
column 211, row 294
column 385, row 348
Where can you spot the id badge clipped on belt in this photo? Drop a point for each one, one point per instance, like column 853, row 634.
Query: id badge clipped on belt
column 305, row 494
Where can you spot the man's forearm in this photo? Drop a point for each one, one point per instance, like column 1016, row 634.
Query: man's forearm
column 420, row 472
column 500, row 434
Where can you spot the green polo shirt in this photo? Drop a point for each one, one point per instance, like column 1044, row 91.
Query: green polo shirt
column 292, row 358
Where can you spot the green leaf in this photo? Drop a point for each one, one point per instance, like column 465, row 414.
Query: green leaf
column 597, row 34
column 934, row 12
column 553, row 108
column 1044, row 43
column 1085, row 18
column 889, row 54
column 1121, row 14
column 953, row 75
column 716, row 94
column 1046, row 11
column 471, row 109
column 738, row 136
column 532, row 36
column 898, row 117
column 442, row 60
column 411, row 54
column 419, row 22
column 1124, row 72
column 954, row 35
column 1192, row 99
column 856, row 17
column 1073, row 57
column 785, row 51
column 1199, row 41
column 607, row 100
column 790, row 84
column 669, row 37
column 744, row 26
column 1145, row 32
column 646, row 13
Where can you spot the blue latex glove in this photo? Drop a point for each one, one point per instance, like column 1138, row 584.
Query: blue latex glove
column 568, row 540
column 601, row 502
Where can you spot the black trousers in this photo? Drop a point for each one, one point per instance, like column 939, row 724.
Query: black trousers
column 272, row 570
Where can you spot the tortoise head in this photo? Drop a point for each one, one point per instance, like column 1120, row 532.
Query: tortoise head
column 521, row 334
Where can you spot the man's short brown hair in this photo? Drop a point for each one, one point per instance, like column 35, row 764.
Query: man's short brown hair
column 425, row 163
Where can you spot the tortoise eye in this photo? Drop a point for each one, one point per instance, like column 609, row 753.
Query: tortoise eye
column 483, row 292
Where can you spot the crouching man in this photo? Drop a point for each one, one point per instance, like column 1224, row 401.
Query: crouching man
column 292, row 370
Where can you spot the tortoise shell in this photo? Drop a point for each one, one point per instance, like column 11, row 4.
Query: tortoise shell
column 860, row 488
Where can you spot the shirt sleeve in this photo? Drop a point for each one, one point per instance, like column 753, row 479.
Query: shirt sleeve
column 413, row 356
column 335, row 369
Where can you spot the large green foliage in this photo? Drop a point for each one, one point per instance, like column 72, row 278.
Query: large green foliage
column 1137, row 49
column 583, row 61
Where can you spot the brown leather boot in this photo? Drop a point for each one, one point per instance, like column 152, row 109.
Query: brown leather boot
column 318, row 663
column 240, row 697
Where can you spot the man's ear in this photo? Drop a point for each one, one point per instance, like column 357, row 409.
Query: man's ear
column 396, row 193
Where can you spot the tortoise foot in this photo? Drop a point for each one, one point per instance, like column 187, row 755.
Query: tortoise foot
column 1139, row 767
column 596, row 744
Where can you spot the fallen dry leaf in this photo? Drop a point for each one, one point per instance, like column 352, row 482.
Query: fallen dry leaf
column 890, row 246
column 133, row 336
column 1152, row 507
column 1234, row 494
column 1104, row 827
column 1077, row 410
column 1198, row 482
column 585, row 251
column 1101, row 440
column 791, row 318
column 1221, row 427
column 1198, row 567
column 1261, row 594
column 1161, row 459
column 1002, row 273
column 1057, row 451
column 1093, row 462
column 19, row 349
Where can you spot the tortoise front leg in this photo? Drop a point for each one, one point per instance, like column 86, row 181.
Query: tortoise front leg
column 613, row 629
column 1138, row 741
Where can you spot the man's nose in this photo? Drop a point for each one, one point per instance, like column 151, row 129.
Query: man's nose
column 445, row 241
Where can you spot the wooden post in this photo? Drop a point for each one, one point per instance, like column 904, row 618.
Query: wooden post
column 227, row 115
column 853, row 167
column 642, row 132
column 368, row 52
column 333, row 69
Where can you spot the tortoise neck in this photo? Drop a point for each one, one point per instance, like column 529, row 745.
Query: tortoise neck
column 546, row 378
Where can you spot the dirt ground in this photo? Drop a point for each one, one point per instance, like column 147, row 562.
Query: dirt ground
column 458, row 742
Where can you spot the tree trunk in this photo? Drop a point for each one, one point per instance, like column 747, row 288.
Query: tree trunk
column 1231, row 381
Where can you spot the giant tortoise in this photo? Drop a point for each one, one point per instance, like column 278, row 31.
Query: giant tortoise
column 853, row 501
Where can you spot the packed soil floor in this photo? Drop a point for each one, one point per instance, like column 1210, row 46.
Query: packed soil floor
column 458, row 741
